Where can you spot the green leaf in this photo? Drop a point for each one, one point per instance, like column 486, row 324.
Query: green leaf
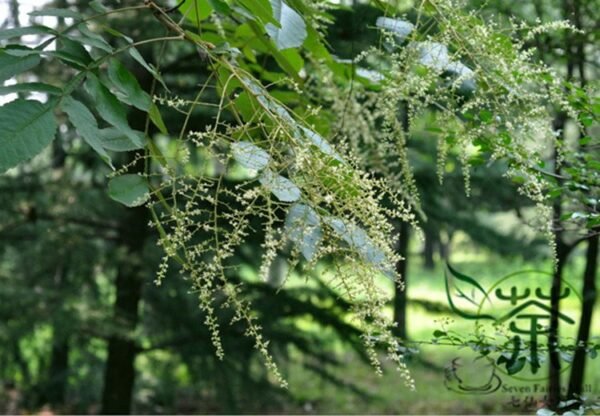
column 292, row 32
column 29, row 87
column 260, row 9
column 16, row 32
column 157, row 119
column 113, row 139
column 20, row 51
column 437, row 333
column 91, row 38
column 292, row 58
column 127, row 87
column 486, row 116
column 84, row 40
column 14, row 65
column 137, row 56
column 196, row 10
column 110, row 109
column 249, row 155
column 65, row 13
column 220, row 6
column 72, row 53
column 284, row 189
column 303, row 227
column 26, row 128
column 98, row 6
column 84, row 121
column 130, row 190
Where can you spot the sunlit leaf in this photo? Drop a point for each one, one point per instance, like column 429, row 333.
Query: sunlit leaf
column 196, row 10
column 260, row 9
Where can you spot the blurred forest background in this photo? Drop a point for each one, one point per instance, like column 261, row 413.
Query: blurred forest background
column 83, row 328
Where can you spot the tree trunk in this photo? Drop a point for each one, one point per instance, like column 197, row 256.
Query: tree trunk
column 585, row 323
column 553, row 334
column 562, row 252
column 428, row 249
column 400, row 294
column 119, row 373
column 401, row 266
column 119, row 376
column 59, row 372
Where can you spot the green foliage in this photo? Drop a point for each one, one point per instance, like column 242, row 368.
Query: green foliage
column 13, row 65
column 26, row 128
column 321, row 154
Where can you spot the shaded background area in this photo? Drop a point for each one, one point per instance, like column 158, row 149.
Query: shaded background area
column 84, row 328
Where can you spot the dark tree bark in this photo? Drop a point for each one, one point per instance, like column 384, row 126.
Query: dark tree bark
column 554, row 396
column 589, row 298
column 400, row 294
column 119, row 376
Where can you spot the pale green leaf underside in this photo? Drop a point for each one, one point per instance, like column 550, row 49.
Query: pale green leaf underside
column 249, row 155
column 358, row 240
column 293, row 29
column 284, row 189
column 24, row 31
column 130, row 190
column 303, row 227
column 30, row 87
column 113, row 139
